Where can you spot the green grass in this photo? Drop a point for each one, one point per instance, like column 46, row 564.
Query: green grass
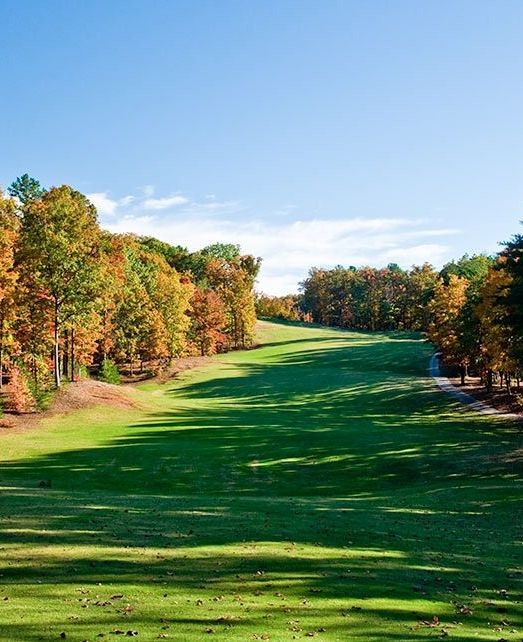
column 318, row 486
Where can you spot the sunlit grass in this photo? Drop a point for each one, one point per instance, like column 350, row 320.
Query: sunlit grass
column 318, row 486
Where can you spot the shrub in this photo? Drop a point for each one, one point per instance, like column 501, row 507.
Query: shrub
column 82, row 372
column 40, row 383
column 109, row 372
column 20, row 398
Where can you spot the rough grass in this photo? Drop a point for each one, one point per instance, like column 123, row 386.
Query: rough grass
column 318, row 486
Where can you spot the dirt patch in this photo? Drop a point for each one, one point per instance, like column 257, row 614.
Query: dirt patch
column 89, row 392
column 180, row 365
column 498, row 398
column 83, row 394
column 74, row 396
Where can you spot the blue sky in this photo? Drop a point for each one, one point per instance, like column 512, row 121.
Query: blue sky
column 312, row 133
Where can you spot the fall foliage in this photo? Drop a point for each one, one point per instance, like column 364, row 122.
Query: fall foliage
column 73, row 296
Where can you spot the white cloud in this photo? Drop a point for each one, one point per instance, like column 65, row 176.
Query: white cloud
column 126, row 200
column 290, row 248
column 164, row 203
column 135, row 204
column 288, row 245
column 213, row 206
column 106, row 206
column 103, row 203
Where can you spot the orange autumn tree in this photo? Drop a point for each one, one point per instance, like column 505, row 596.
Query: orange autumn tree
column 20, row 398
column 208, row 321
column 9, row 229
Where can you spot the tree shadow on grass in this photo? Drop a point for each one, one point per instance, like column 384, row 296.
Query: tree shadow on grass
column 366, row 564
column 321, row 483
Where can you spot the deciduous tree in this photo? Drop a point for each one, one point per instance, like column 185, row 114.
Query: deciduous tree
column 59, row 250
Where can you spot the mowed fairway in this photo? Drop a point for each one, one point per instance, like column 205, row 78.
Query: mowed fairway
column 318, row 486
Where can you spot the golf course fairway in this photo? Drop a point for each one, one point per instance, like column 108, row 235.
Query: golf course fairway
column 317, row 486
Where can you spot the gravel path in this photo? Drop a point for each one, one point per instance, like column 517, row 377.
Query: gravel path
column 479, row 406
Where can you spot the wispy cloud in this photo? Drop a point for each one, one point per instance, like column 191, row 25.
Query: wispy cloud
column 107, row 206
column 290, row 247
column 134, row 205
column 164, row 203
column 126, row 200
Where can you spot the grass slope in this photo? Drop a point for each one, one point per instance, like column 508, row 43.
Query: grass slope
column 318, row 486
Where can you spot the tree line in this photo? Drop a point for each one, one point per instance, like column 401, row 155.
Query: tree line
column 73, row 296
column 471, row 310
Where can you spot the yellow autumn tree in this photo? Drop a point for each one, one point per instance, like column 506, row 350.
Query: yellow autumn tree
column 446, row 327
column 496, row 335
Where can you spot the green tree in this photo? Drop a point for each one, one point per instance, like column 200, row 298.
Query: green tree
column 473, row 267
column 512, row 298
column 226, row 251
column 26, row 189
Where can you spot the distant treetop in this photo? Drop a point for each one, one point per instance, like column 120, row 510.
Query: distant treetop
column 26, row 189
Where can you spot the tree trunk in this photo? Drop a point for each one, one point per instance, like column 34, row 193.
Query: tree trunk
column 463, row 372
column 1, row 353
column 57, row 380
column 72, row 355
column 65, row 356
column 490, row 380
